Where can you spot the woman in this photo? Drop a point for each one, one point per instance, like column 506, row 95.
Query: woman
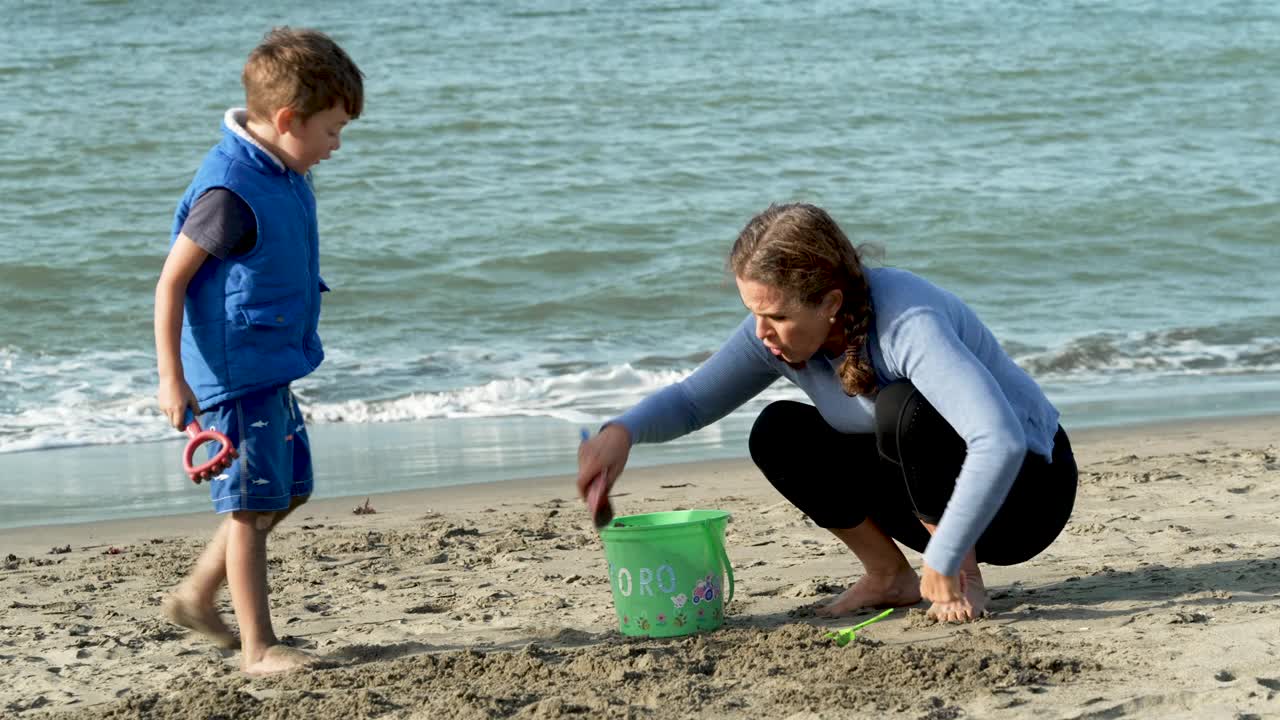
column 922, row 430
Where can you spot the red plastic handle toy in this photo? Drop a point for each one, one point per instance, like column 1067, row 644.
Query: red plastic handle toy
column 200, row 436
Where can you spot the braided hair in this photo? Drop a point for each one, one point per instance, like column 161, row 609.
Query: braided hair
column 798, row 249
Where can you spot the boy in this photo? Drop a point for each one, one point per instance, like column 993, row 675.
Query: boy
column 237, row 307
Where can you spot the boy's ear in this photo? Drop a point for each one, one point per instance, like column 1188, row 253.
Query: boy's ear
column 283, row 120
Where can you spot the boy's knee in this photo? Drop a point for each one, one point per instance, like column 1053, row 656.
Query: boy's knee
column 259, row 520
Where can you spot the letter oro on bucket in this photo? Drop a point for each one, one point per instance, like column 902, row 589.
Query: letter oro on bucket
column 669, row 571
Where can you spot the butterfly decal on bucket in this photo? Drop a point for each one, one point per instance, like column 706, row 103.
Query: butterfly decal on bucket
column 706, row 590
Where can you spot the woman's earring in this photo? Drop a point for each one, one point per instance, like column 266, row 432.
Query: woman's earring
column 831, row 320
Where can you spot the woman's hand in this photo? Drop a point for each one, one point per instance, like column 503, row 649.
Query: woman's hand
column 174, row 397
column 947, row 593
column 605, row 453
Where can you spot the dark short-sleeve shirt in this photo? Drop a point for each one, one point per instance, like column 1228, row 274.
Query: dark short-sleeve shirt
column 222, row 224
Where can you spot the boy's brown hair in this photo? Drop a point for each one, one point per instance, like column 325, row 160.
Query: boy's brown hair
column 300, row 69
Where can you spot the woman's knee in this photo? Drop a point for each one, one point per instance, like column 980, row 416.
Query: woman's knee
column 814, row 467
column 891, row 405
column 907, row 425
column 892, row 397
column 774, row 429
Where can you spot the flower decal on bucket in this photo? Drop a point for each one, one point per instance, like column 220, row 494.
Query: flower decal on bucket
column 679, row 600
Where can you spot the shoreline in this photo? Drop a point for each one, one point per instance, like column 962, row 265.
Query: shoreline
column 470, row 497
column 647, row 458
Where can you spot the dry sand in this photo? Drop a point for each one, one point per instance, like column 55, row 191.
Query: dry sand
column 1161, row 599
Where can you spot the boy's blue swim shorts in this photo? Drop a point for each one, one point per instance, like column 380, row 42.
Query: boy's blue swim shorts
column 275, row 454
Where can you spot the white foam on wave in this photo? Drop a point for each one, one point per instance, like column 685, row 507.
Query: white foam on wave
column 98, row 398
column 1105, row 357
column 50, row 401
column 71, row 424
column 588, row 396
column 101, row 413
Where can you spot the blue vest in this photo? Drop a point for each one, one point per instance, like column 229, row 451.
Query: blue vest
column 249, row 322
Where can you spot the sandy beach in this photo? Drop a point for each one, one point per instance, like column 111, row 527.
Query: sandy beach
column 1161, row 599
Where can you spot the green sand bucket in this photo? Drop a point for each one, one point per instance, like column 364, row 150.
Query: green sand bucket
column 667, row 571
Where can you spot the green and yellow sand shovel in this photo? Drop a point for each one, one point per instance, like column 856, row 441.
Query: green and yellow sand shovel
column 845, row 636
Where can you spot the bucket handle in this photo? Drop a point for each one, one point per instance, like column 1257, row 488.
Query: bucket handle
column 725, row 567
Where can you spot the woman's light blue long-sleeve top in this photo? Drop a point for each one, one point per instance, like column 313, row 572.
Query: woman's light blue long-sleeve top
column 921, row 333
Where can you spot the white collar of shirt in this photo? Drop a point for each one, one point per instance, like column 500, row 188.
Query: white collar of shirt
column 235, row 120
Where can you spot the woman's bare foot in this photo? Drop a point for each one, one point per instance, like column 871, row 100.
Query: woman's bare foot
column 873, row 591
column 277, row 659
column 970, row 608
column 204, row 619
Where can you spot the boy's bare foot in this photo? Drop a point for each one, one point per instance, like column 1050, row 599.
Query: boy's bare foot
column 277, row 659
column 970, row 608
column 873, row 591
column 204, row 619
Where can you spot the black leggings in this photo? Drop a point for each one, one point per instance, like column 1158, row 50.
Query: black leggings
column 905, row 473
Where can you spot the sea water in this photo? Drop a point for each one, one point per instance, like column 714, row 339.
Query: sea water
column 526, row 230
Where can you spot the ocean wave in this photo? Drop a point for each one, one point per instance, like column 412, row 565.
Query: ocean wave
column 88, row 414
column 49, row 400
column 580, row 397
column 1244, row 347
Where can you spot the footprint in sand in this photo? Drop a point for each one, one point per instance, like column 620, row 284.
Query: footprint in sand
column 427, row 608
